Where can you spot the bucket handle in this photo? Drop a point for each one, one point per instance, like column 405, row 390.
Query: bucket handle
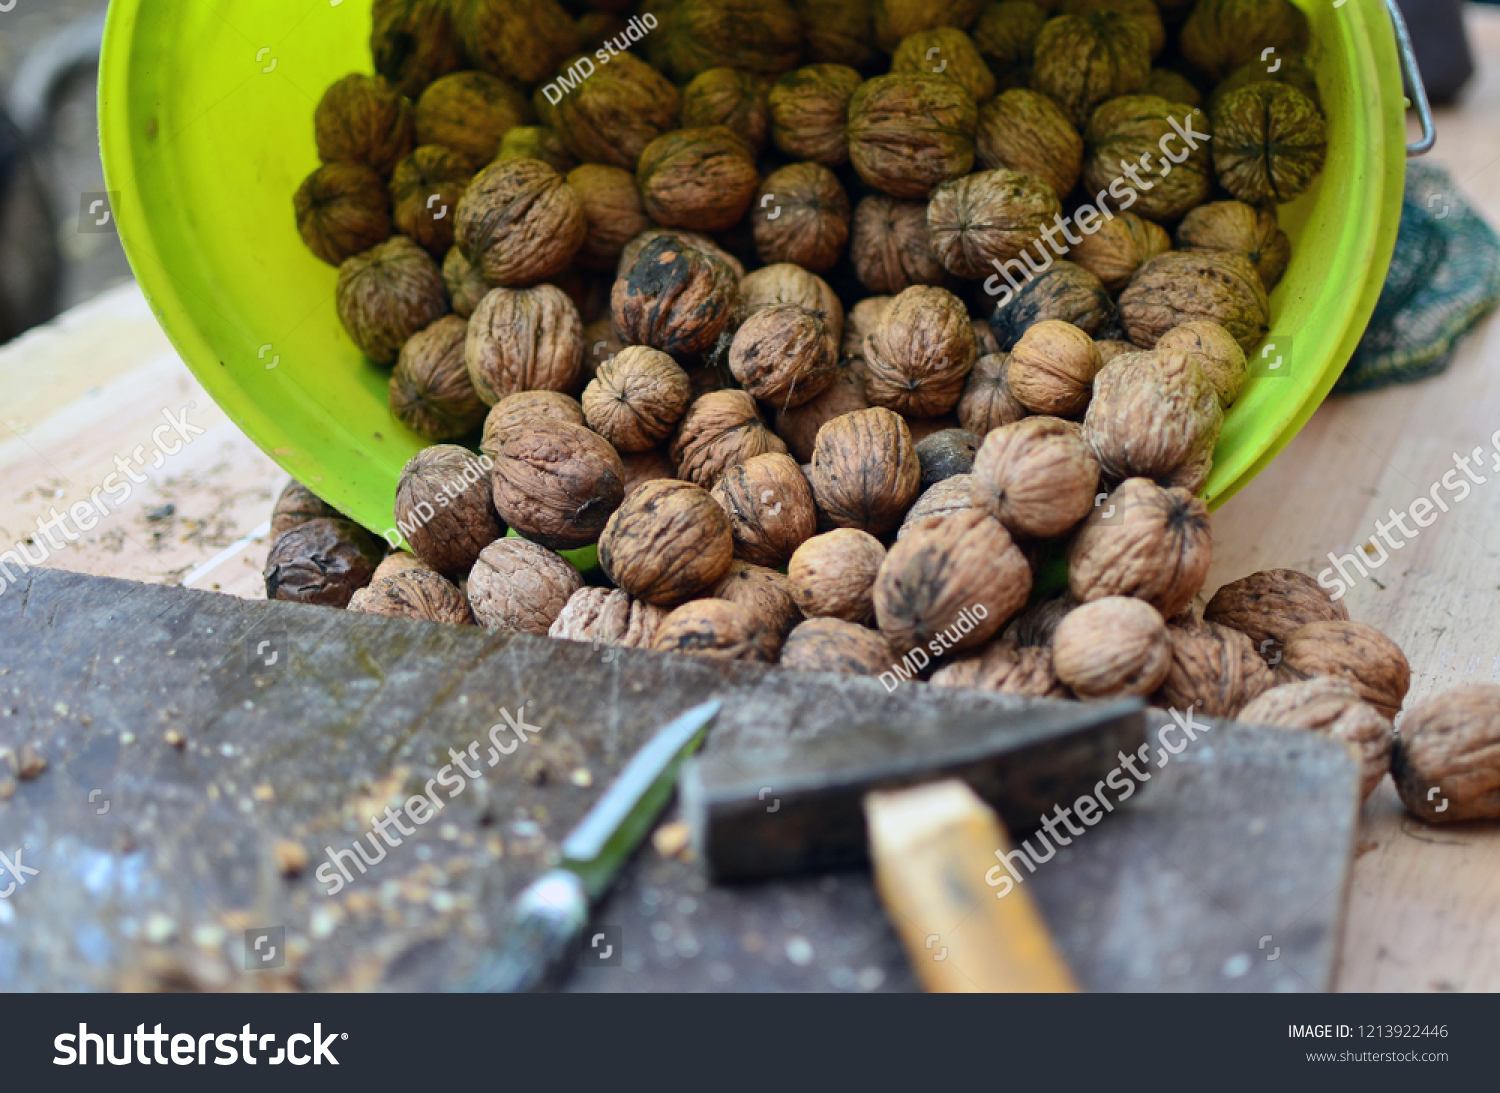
column 1413, row 80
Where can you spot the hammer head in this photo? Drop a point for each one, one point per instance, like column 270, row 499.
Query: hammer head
column 797, row 809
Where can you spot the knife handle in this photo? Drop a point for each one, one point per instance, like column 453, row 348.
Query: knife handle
column 549, row 917
column 932, row 847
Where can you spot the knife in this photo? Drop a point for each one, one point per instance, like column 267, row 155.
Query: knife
column 549, row 916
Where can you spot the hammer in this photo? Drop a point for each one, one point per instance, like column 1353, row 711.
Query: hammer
column 930, row 811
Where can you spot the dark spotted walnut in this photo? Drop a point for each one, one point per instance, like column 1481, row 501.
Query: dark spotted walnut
column 733, row 99
column 520, row 222
column 637, row 398
column 417, row 593
column 1112, row 647
column 917, row 359
column 1143, row 541
column 718, row 629
column 362, row 119
column 430, row 390
column 1154, row 415
column 1023, row 130
column 833, row 645
column 801, row 215
column 557, row 484
column 343, row 209
column 673, row 295
column 1066, row 292
column 784, row 355
column 1451, row 743
column 322, row 561
column 668, row 542
column 387, row 294
column 703, row 179
column 770, row 508
column 1333, row 707
column 469, row 113
column 615, row 114
column 890, row 246
column 1269, row 605
column 528, row 339
column 518, row 585
column 1037, row 477
column 978, row 223
column 444, row 509
column 1242, row 229
column 907, row 134
column 722, row 429
column 1006, row 668
column 944, row 454
column 865, row 472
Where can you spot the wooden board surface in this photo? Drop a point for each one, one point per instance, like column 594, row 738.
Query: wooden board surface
column 1425, row 905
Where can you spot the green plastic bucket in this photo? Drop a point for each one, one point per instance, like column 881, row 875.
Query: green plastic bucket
column 205, row 118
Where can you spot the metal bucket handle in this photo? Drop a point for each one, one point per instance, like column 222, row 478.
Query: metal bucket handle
column 1413, row 80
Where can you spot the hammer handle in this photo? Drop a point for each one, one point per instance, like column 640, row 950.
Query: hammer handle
column 932, row 847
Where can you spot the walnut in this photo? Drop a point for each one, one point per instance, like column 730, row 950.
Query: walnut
column 1081, row 61
column 895, row 19
column 1143, row 12
column 387, row 294
column 1332, row 707
column 362, row 119
column 1111, row 647
column 718, row 629
column 1154, row 415
column 1269, row 605
column 1110, row 348
column 1052, row 368
column 721, row 429
column 944, row 454
column 518, row 412
column 1006, row 34
column 343, row 209
column 418, row 593
column 1176, row 288
column 414, row 42
column 322, row 561
column 521, row 40
column 944, row 498
column 861, row 322
column 1214, row 669
column 1364, row 656
column 733, row 99
column 430, row 390
column 643, row 467
column 909, row 133
column 1036, row 476
column 784, row 283
column 400, row 561
column 1024, row 131
column 890, row 246
column 837, row 30
column 987, row 401
column 1451, row 742
column 1173, row 86
column 1004, row 667
column 1038, row 623
column 1217, row 354
column 948, row 52
column 517, row 585
column 466, row 285
column 600, row 343
column 426, row 187
column 833, row 575
column 1270, row 142
column 615, row 114
column 697, row 178
column 917, row 359
column 809, row 224
column 608, row 616
column 612, row 210
column 519, row 222
column 809, row 111
column 637, row 398
column 1295, row 69
column 527, row 339
column 557, row 484
column 986, row 219
column 762, row 37
column 468, row 113
column 668, row 542
column 1118, row 247
column 946, row 571
column 798, row 425
column 536, row 142
column 1131, row 132
column 444, row 510
column 833, row 645
column 784, row 355
column 1146, row 542
column 1243, row 229
column 673, row 295
column 1220, row 35
column 1066, row 292
column 865, row 472
column 770, row 508
column 766, row 594
column 924, row 427
column 296, row 505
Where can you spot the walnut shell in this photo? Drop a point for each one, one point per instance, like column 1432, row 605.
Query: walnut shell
column 733, row 99
column 766, row 594
column 1153, row 415
column 1243, row 229
column 1270, row 142
column 387, row 294
column 1006, row 668
column 837, row 30
column 946, row 52
column 468, row 113
column 785, row 283
column 907, row 134
column 521, row 40
column 1005, row 34
column 1052, row 368
column 430, row 389
column 643, row 467
column 833, row 575
column 987, row 219
column 1132, row 132
column 1294, row 69
column 1110, row 348
column 425, row 189
column 343, row 209
column 1146, row 542
column 1038, row 623
column 528, row 339
column 944, row 498
column 296, row 505
column 784, row 355
column 697, row 178
column 612, row 210
column 1177, row 287
column 1118, row 247
column 637, row 398
column 417, row 593
column 917, row 359
column 944, row 454
column 557, row 484
column 444, row 510
column 1353, row 651
column 1037, row 477
column 809, row 112
column 673, row 295
column 1066, row 292
column 1451, row 742
column 1220, row 35
column 519, row 222
column 1214, row 669
column 722, row 429
column 762, row 37
column 1333, row 707
column 895, row 19
column 398, row 562
column 1269, row 605
column 948, row 571
column 517, row 585
column 517, row 412
column 718, row 629
column 833, row 645
column 809, row 221
column 770, row 508
column 322, row 561
column 362, row 119
column 414, row 42
column 862, row 321
column 668, row 541
column 865, row 472
column 1023, row 130
column 1081, row 61
column 614, row 114
column 890, row 246
column 536, row 142
column 1173, row 86
column 466, row 285
column 987, row 401
column 1143, row 12
column 1112, row 647
column 607, row 616
column 1217, row 354
column 798, row 425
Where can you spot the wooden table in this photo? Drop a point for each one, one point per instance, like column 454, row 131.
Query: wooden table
column 1424, row 912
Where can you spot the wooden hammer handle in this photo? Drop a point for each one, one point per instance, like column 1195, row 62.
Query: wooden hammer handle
column 931, row 847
